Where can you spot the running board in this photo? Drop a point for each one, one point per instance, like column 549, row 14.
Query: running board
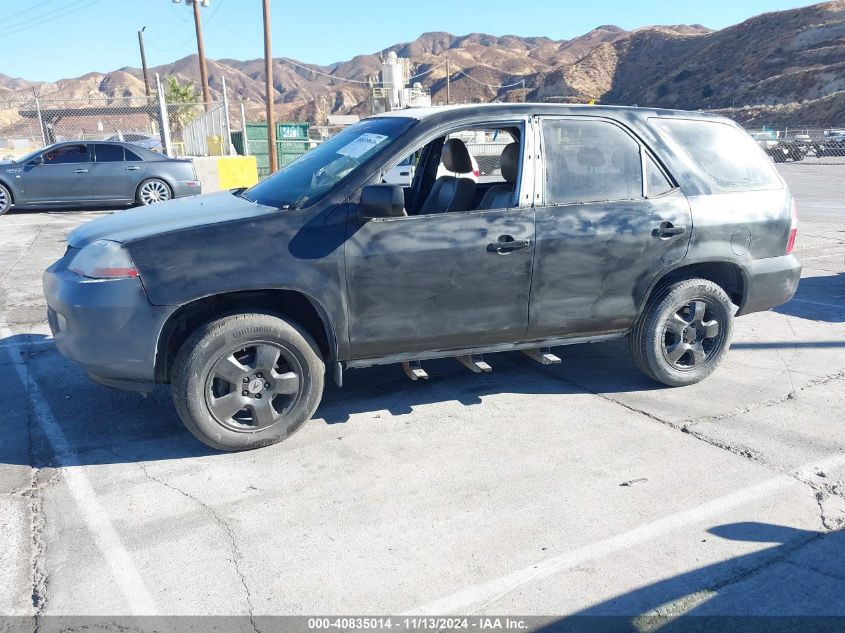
column 543, row 356
column 414, row 370
column 475, row 363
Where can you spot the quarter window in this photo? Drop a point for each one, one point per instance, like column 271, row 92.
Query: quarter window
column 132, row 156
column 109, row 153
column 590, row 161
column 729, row 156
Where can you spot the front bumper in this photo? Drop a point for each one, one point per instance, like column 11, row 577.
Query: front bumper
column 107, row 327
column 769, row 282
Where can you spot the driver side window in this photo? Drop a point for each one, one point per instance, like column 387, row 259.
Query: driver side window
column 469, row 169
column 67, row 154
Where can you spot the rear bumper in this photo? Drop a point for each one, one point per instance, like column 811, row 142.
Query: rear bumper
column 182, row 188
column 769, row 282
column 107, row 327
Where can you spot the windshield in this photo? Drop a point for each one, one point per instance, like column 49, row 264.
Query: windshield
column 316, row 172
column 32, row 155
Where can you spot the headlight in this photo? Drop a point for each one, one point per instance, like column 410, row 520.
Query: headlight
column 103, row 260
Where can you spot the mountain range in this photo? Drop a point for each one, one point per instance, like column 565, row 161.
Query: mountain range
column 775, row 67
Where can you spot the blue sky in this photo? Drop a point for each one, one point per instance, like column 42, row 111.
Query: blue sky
column 47, row 40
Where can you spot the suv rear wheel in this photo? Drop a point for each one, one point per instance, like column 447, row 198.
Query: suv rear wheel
column 684, row 332
column 247, row 380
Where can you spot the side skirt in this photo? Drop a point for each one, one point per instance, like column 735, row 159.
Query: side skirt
column 469, row 351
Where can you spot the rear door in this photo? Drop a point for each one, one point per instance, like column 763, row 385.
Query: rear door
column 610, row 220
column 62, row 175
column 110, row 178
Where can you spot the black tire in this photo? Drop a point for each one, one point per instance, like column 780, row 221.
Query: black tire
column 144, row 198
column 222, row 365
column 5, row 199
column 674, row 341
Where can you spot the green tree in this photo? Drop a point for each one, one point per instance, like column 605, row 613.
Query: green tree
column 183, row 104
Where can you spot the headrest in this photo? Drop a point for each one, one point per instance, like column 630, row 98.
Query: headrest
column 455, row 156
column 509, row 162
column 590, row 157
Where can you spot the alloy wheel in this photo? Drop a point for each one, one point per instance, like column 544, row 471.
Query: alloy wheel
column 692, row 335
column 154, row 191
column 251, row 388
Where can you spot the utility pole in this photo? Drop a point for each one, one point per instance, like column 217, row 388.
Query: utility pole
column 268, row 77
column 144, row 61
column 523, row 91
column 448, row 79
column 206, row 94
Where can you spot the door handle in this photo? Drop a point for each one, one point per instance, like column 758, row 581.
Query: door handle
column 133, row 168
column 666, row 230
column 80, row 171
column 506, row 244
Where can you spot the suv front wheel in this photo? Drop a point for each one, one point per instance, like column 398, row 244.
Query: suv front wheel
column 684, row 332
column 247, row 380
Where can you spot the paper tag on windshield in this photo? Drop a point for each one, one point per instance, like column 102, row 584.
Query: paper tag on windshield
column 361, row 145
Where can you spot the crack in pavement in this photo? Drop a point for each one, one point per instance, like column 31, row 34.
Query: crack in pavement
column 733, row 448
column 815, row 382
column 236, row 555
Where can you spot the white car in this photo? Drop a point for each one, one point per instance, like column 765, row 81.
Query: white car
column 472, row 175
column 403, row 173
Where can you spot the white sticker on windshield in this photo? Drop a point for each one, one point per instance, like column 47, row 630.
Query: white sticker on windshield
column 361, row 145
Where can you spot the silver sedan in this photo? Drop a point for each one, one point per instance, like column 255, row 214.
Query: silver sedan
column 97, row 173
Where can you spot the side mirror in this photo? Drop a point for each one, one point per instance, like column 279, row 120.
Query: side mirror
column 382, row 201
column 35, row 162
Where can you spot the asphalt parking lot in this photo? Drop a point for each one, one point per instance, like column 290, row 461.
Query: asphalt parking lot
column 581, row 488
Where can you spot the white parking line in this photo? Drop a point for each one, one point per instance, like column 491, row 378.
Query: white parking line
column 475, row 597
column 102, row 532
column 840, row 306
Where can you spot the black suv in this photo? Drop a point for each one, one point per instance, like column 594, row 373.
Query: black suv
column 597, row 223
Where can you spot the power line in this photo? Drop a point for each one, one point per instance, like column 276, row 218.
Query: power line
column 516, row 83
column 205, row 24
column 15, row 28
column 27, row 10
column 329, row 75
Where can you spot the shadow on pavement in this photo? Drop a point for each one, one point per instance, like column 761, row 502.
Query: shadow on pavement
column 796, row 584
column 819, row 298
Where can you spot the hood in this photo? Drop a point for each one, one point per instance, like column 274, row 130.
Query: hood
column 165, row 217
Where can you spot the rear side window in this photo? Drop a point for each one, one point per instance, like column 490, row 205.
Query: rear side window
column 590, row 161
column 730, row 157
column 132, row 156
column 109, row 153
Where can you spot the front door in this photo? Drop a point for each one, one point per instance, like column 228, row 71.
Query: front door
column 610, row 222
column 63, row 174
column 438, row 282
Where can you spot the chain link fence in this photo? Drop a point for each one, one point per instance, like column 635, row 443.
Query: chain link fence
column 811, row 159
column 179, row 129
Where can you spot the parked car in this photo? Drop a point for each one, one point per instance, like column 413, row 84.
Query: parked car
column 147, row 141
column 780, row 150
column 831, row 144
column 403, row 173
column 607, row 223
column 94, row 173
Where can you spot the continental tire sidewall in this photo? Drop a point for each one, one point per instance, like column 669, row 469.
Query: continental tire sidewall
column 203, row 349
column 648, row 337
